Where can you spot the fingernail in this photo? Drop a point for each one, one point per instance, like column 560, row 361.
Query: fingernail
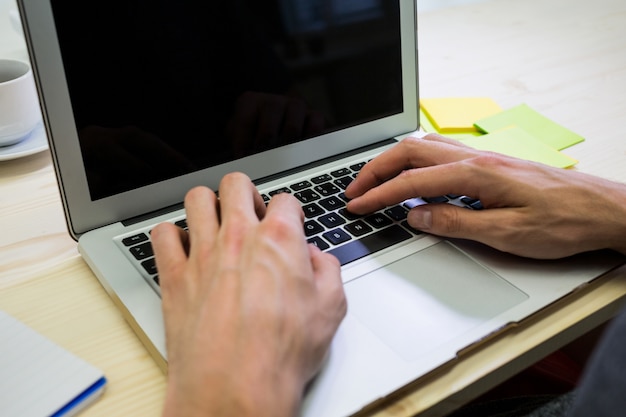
column 420, row 218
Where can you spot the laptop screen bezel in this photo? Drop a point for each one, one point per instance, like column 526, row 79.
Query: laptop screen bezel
column 84, row 214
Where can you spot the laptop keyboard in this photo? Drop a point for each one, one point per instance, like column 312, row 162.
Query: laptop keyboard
column 328, row 224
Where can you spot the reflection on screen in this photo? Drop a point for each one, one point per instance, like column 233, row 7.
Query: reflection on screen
column 161, row 88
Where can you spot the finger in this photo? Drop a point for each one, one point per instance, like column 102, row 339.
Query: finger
column 285, row 204
column 454, row 178
column 169, row 242
column 170, row 245
column 327, row 273
column 435, row 137
column 326, row 267
column 491, row 227
column 283, row 225
column 409, row 153
column 202, row 216
column 284, row 221
column 240, row 201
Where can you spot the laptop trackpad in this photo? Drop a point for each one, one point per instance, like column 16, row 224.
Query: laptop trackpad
column 422, row 301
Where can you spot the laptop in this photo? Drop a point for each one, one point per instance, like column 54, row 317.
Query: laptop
column 144, row 99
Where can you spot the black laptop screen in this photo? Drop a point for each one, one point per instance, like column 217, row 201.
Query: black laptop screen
column 164, row 88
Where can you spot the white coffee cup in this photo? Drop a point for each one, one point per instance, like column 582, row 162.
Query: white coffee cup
column 19, row 104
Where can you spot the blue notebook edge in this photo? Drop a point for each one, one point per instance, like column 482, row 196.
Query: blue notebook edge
column 83, row 399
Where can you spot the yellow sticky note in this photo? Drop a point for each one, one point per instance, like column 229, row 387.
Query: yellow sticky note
column 548, row 131
column 458, row 114
column 427, row 126
column 518, row 143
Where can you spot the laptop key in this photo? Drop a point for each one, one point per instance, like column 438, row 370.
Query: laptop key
column 307, row 195
column 413, row 202
column 436, row 199
column 343, row 182
column 331, row 220
column 280, row 190
column 378, row 220
column 312, row 210
column 133, row 240
column 336, row 236
column 300, row 185
column 357, row 167
column 358, row 228
column 340, row 172
column 317, row 241
column 477, row 205
column 327, row 189
column 369, row 244
column 332, row 203
column 182, row 224
column 397, row 213
column 321, row 178
column 150, row 266
column 472, row 202
column 312, row 227
column 142, row 251
column 348, row 215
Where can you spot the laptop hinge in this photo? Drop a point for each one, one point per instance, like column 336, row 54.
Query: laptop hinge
column 314, row 164
column 147, row 216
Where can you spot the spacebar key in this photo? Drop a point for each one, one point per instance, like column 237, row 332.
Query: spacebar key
column 369, row 244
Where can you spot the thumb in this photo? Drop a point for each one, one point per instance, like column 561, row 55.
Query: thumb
column 444, row 220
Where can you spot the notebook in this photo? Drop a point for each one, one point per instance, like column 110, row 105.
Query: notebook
column 40, row 378
column 143, row 100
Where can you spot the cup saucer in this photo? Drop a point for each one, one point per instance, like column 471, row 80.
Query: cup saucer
column 35, row 142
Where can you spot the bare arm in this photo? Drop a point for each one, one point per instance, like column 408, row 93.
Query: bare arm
column 529, row 209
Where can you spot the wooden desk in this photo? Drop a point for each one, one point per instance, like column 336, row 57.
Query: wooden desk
column 565, row 59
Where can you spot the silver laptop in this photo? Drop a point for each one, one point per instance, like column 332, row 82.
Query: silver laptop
column 143, row 100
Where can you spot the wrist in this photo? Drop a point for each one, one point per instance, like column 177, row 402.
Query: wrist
column 233, row 394
column 615, row 224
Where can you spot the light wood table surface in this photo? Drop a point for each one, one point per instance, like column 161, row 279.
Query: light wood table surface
column 564, row 58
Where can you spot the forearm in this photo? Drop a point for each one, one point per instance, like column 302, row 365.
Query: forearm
column 561, row 213
column 581, row 212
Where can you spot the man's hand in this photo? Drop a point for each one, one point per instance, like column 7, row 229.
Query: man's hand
column 530, row 209
column 250, row 309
